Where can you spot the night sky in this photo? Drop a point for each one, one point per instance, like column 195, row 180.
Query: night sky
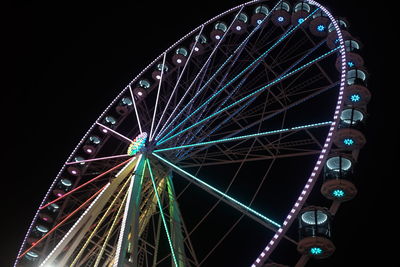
column 64, row 63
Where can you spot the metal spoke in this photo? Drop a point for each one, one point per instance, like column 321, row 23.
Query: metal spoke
column 177, row 82
column 227, row 199
column 258, row 91
column 162, row 214
column 158, row 95
column 313, row 125
column 262, row 56
column 194, row 80
column 115, row 132
column 97, row 159
column 135, row 108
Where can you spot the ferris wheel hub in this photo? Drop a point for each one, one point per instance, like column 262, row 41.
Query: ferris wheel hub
column 138, row 144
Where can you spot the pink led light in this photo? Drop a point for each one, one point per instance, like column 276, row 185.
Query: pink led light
column 308, row 187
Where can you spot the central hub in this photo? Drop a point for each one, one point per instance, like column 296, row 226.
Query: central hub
column 137, row 144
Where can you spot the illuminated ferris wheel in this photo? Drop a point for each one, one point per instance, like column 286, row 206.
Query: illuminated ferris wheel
column 213, row 151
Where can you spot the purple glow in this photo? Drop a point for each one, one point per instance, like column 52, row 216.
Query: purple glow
column 328, row 142
column 74, row 172
column 104, row 130
column 59, row 194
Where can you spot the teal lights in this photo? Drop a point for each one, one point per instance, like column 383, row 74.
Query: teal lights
column 202, row 183
column 263, row 55
column 162, row 214
column 280, row 78
column 348, row 141
column 338, row 193
column 355, row 98
column 300, row 20
column 320, row 28
column 316, row 251
column 320, row 124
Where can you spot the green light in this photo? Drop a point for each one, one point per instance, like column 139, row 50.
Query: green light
column 162, row 214
column 316, row 251
column 219, row 192
column 338, row 193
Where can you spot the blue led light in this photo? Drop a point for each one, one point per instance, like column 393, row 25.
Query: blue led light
column 316, row 251
column 348, row 141
column 300, row 20
column 320, row 28
column 350, row 64
column 280, row 19
column 338, row 193
column 355, row 97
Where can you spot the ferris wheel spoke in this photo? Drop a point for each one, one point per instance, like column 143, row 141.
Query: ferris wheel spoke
column 115, row 132
column 110, row 231
column 249, row 136
column 178, row 80
column 195, row 79
column 86, row 183
column 158, row 95
column 258, row 91
column 262, row 56
column 258, row 122
column 66, row 218
column 240, row 48
column 162, row 214
column 229, row 118
column 135, row 108
column 99, row 223
column 97, row 159
column 256, row 216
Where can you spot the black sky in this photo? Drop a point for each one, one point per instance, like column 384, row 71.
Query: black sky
column 64, row 63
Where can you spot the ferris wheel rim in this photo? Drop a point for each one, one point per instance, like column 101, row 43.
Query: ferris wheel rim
column 339, row 107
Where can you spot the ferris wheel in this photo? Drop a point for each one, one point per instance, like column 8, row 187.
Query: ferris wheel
column 213, row 151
